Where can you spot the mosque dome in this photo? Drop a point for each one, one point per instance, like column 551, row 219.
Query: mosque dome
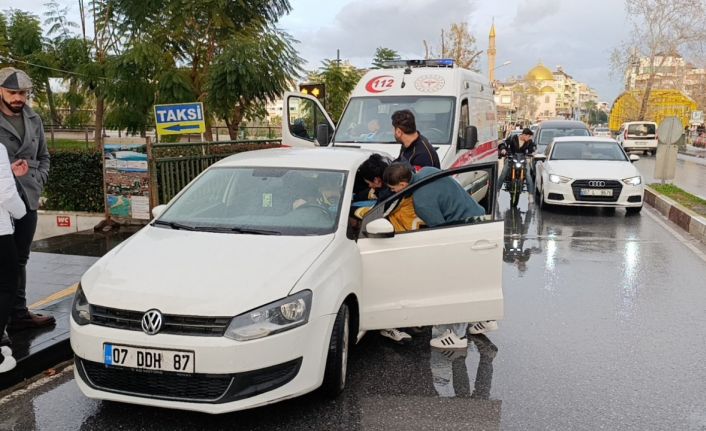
column 540, row 73
column 547, row 89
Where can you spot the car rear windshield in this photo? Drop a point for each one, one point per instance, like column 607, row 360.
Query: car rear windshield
column 264, row 200
column 588, row 151
column 645, row 129
column 547, row 135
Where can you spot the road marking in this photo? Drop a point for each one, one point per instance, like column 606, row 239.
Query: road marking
column 678, row 235
column 55, row 296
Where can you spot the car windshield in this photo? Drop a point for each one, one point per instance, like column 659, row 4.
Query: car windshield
column 547, row 135
column 259, row 200
column 588, row 151
column 641, row 129
column 367, row 119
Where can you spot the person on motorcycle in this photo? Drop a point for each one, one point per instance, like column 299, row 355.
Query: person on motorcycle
column 517, row 144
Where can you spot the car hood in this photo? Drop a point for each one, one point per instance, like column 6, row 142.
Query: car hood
column 200, row 273
column 393, row 150
column 590, row 169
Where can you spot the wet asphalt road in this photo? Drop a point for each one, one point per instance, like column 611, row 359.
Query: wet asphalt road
column 690, row 174
column 604, row 329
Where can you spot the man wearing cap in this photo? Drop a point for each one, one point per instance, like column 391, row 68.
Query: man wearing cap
column 22, row 133
column 517, row 144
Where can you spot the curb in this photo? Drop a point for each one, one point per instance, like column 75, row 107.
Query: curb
column 683, row 217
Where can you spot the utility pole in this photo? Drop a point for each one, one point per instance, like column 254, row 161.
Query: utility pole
column 338, row 57
column 443, row 45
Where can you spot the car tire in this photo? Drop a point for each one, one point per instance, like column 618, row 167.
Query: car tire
column 337, row 359
column 633, row 210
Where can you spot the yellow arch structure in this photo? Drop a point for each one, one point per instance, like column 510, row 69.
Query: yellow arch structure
column 662, row 104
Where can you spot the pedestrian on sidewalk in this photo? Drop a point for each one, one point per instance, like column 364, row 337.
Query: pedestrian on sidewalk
column 11, row 207
column 22, row 134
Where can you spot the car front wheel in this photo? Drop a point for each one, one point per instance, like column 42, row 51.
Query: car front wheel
column 337, row 360
column 633, row 210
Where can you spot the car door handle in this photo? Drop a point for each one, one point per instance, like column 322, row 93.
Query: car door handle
column 484, row 245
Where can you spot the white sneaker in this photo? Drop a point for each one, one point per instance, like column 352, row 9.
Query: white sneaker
column 449, row 340
column 7, row 364
column 483, row 327
column 395, row 334
column 5, row 351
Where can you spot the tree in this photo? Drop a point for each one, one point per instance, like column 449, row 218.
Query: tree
column 382, row 55
column 340, row 80
column 235, row 85
column 660, row 28
column 457, row 43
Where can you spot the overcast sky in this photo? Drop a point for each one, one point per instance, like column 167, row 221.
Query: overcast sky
column 577, row 35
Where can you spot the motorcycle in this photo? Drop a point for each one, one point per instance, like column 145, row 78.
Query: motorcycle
column 515, row 182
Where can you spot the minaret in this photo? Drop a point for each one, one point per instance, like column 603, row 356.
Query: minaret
column 491, row 53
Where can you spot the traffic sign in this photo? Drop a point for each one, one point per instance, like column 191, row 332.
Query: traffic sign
column 670, row 130
column 179, row 118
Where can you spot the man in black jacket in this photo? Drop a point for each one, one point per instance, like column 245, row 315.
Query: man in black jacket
column 517, row 144
column 416, row 149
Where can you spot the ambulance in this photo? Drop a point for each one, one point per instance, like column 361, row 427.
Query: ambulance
column 453, row 108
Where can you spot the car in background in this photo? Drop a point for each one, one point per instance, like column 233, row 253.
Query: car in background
column 602, row 132
column 638, row 136
column 252, row 284
column 550, row 129
column 588, row 171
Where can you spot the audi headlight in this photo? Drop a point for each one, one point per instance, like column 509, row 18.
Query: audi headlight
column 278, row 316
column 81, row 309
column 558, row 179
column 633, row 181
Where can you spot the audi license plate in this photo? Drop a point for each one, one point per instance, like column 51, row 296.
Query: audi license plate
column 148, row 359
column 596, row 192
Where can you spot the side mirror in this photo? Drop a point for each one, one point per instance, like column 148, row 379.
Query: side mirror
column 158, row 210
column 634, row 158
column 539, row 157
column 471, row 138
column 322, row 134
column 380, row 228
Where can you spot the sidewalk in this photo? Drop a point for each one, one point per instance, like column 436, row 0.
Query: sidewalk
column 54, row 269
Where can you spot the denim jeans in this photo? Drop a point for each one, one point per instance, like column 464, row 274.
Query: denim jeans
column 24, row 233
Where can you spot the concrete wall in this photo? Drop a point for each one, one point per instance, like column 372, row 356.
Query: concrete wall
column 54, row 223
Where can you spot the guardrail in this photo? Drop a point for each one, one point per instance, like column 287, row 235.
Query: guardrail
column 173, row 166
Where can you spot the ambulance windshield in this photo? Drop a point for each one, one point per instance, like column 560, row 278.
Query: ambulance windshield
column 367, row 119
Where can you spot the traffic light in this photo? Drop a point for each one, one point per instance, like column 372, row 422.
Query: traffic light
column 316, row 90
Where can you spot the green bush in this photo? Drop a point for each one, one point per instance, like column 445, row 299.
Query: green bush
column 75, row 181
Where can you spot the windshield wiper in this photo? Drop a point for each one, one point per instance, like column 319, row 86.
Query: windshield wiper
column 173, row 225
column 238, row 230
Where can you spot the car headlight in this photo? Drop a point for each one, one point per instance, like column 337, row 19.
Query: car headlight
column 278, row 316
column 633, row 181
column 81, row 309
column 558, row 179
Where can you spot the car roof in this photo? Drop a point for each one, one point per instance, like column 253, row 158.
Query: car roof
column 585, row 139
column 345, row 159
column 562, row 124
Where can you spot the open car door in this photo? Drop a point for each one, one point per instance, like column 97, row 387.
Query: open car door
column 446, row 274
column 305, row 123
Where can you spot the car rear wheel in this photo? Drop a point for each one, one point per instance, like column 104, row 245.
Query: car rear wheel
column 337, row 359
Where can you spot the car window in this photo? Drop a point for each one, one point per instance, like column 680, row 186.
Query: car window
column 474, row 204
column 546, row 135
column 285, row 201
column 434, row 117
column 641, row 129
column 588, row 151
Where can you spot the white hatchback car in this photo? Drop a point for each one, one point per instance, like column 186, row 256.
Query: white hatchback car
column 251, row 285
column 588, row 171
column 638, row 136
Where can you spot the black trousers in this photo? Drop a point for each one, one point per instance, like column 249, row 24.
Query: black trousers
column 24, row 234
column 9, row 269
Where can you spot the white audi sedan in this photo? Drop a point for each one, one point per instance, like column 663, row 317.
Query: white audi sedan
column 588, row 171
column 252, row 284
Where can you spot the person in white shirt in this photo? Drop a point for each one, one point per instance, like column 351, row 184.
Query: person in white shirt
column 11, row 207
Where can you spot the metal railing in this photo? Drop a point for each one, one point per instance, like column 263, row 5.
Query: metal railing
column 175, row 165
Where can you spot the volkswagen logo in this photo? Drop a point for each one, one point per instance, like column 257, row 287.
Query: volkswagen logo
column 152, row 322
column 596, row 183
